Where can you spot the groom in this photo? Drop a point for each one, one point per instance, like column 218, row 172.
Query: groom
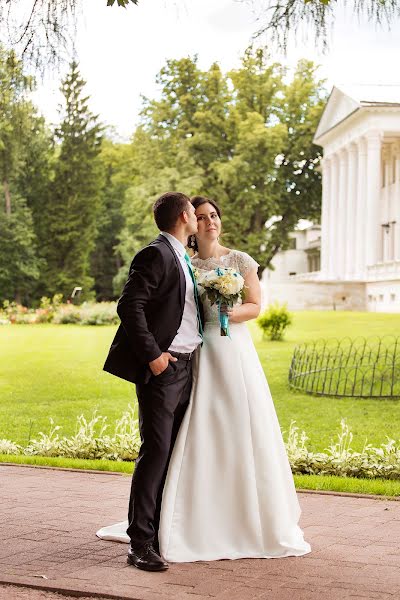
column 161, row 327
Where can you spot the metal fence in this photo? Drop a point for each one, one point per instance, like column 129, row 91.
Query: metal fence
column 359, row 368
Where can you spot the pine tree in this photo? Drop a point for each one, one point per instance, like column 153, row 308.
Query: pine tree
column 76, row 193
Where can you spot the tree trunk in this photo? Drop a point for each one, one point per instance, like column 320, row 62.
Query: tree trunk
column 7, row 197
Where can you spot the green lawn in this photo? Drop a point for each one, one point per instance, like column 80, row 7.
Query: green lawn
column 56, row 371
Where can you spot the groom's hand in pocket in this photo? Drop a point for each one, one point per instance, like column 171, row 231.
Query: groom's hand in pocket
column 159, row 365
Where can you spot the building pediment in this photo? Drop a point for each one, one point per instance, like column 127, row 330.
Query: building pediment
column 345, row 101
column 338, row 107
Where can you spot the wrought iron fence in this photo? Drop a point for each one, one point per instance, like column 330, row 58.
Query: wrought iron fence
column 359, row 368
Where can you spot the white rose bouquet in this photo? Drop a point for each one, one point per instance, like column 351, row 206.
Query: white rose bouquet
column 223, row 287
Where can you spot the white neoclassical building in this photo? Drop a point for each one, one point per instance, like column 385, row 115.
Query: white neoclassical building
column 359, row 132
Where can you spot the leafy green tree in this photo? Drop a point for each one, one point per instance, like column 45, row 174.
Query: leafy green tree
column 33, row 183
column 44, row 34
column 19, row 264
column 117, row 163
column 246, row 142
column 15, row 115
column 76, row 193
column 283, row 19
column 157, row 168
column 297, row 183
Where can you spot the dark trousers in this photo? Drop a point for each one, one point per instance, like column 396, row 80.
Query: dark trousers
column 163, row 401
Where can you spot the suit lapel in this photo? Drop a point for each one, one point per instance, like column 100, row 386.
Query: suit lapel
column 182, row 279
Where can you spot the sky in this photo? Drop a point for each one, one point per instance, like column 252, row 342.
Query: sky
column 120, row 51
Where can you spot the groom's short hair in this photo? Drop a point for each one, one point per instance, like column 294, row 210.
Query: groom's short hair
column 167, row 209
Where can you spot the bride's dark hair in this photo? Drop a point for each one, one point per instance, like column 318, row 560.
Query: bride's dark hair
column 196, row 202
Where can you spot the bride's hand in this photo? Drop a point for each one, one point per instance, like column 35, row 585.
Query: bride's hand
column 232, row 313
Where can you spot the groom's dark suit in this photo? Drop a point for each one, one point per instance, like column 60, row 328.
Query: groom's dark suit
column 151, row 309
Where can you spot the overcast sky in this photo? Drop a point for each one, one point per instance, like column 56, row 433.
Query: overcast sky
column 121, row 50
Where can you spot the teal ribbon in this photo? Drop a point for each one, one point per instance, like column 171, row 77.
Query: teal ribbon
column 223, row 321
column 196, row 293
column 223, row 318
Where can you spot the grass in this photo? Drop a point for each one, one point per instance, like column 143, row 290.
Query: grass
column 371, row 419
column 70, row 463
column 380, row 487
column 56, row 371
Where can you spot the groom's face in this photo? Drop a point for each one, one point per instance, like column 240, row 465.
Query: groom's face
column 192, row 219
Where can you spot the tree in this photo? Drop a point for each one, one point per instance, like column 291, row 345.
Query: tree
column 75, row 201
column 297, row 181
column 48, row 30
column 246, row 142
column 19, row 263
column 284, row 18
column 15, row 113
column 250, row 198
column 44, row 33
column 117, row 163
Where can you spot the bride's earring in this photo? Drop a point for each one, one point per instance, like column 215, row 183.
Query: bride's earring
column 192, row 241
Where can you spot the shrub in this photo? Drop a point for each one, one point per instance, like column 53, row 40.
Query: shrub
column 339, row 458
column 91, row 440
column 274, row 321
column 8, row 447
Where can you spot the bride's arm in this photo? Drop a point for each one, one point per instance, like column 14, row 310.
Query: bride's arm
column 250, row 309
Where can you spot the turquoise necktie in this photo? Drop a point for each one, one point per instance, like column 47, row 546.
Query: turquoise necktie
column 196, row 293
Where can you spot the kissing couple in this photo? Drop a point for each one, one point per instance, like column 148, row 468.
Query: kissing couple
column 212, row 478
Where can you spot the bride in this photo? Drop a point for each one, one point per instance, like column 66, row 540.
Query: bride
column 229, row 491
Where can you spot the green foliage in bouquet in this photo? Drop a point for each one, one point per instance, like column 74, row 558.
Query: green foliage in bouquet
column 274, row 321
column 215, row 296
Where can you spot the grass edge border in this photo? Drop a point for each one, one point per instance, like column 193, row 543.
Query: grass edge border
column 300, row 490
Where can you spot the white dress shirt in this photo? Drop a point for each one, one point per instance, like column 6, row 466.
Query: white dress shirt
column 188, row 338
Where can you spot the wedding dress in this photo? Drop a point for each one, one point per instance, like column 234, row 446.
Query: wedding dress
column 229, row 491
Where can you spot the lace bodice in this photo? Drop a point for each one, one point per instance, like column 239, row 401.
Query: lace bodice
column 235, row 259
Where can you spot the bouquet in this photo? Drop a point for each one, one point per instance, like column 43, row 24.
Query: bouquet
column 223, row 287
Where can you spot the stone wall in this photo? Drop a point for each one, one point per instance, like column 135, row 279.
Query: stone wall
column 383, row 296
column 312, row 295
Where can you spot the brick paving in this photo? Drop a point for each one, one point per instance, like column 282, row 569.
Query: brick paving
column 48, row 520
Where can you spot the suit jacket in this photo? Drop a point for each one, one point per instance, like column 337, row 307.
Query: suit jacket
column 150, row 309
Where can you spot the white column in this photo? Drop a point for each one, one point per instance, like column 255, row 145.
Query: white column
column 397, row 203
column 384, row 245
column 325, row 217
column 333, row 216
column 350, row 210
column 360, row 242
column 341, row 214
column 373, row 227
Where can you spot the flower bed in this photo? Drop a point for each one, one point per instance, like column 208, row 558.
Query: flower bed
column 54, row 311
column 92, row 441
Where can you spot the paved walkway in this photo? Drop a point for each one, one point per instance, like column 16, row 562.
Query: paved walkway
column 48, row 520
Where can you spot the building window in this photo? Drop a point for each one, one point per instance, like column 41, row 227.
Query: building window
column 292, row 243
column 293, row 273
column 394, row 169
column 370, row 298
column 392, row 297
column 380, row 297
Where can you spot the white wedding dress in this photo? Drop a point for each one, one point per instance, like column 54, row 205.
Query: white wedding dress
column 229, row 491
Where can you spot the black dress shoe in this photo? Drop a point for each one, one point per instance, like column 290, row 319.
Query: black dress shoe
column 146, row 558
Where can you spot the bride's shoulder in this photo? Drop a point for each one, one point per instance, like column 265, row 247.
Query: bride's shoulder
column 244, row 262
